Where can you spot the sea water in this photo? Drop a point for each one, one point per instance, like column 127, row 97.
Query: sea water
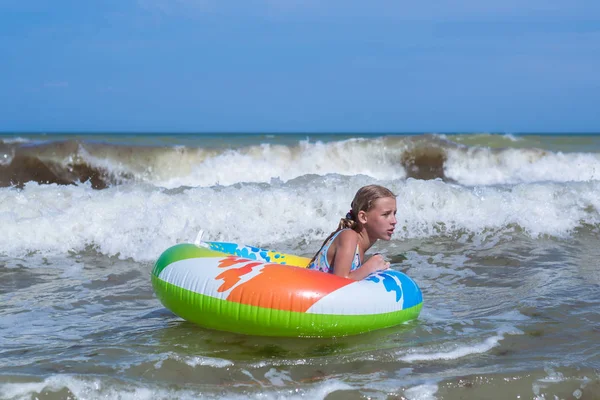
column 501, row 232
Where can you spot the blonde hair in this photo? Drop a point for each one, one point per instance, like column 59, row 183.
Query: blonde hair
column 363, row 201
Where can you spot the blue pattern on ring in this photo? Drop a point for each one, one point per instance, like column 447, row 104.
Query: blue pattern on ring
column 403, row 286
column 249, row 252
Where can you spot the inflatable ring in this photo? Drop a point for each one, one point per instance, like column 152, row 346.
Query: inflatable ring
column 248, row 290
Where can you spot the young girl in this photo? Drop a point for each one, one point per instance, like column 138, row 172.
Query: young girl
column 372, row 217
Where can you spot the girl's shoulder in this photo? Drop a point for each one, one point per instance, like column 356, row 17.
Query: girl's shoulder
column 348, row 236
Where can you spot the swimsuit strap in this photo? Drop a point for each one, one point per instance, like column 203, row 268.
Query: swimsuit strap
column 321, row 262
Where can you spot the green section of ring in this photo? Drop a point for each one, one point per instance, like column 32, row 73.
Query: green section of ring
column 182, row 251
column 213, row 313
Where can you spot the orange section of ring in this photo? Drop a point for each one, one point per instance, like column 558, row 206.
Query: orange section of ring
column 277, row 286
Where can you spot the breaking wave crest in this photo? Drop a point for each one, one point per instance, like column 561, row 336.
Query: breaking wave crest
column 425, row 157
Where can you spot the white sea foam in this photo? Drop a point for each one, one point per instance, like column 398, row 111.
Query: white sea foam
column 80, row 388
column 5, row 159
column 195, row 361
column 422, row 392
column 278, row 377
column 380, row 158
column 14, row 140
column 540, row 387
column 375, row 157
column 192, row 167
column 458, row 352
column 453, row 351
column 83, row 388
column 265, row 162
column 484, row 166
column 139, row 221
column 512, row 137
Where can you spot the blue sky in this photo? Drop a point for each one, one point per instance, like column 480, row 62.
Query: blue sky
column 300, row 66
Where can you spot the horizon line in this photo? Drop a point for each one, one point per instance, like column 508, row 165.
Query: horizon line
column 403, row 133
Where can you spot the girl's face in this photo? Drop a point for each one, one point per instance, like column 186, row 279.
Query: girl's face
column 380, row 220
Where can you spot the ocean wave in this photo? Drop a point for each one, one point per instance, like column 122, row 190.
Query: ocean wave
column 456, row 351
column 425, row 157
column 101, row 387
column 140, row 221
column 15, row 139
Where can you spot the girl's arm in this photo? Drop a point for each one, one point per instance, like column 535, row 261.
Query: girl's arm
column 344, row 255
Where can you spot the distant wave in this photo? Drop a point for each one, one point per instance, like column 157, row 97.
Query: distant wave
column 423, row 157
column 12, row 140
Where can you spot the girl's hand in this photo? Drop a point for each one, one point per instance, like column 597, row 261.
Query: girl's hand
column 377, row 263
